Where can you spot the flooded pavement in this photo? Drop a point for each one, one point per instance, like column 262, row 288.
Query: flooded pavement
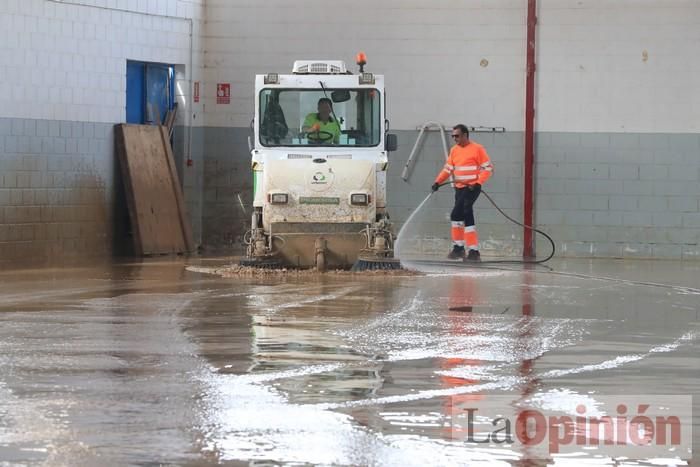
column 148, row 363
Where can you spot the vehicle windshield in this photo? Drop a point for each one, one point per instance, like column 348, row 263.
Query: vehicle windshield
column 311, row 117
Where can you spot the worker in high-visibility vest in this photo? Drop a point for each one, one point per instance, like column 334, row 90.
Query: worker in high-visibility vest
column 470, row 167
column 320, row 126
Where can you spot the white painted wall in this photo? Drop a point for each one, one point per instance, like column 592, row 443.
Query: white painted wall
column 66, row 60
column 619, row 66
column 622, row 66
column 603, row 65
column 430, row 53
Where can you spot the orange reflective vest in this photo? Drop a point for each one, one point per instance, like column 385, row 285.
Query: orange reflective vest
column 468, row 165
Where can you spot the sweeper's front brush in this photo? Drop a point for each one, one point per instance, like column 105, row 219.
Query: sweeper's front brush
column 263, row 263
column 375, row 263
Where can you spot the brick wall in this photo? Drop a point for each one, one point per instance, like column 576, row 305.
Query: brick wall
column 64, row 73
column 620, row 195
column 56, row 190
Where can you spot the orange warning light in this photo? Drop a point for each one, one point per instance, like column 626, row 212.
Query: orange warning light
column 361, row 58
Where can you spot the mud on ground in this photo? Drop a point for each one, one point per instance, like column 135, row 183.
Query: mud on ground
column 235, row 270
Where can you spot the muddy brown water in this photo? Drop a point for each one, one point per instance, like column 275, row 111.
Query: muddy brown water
column 148, row 363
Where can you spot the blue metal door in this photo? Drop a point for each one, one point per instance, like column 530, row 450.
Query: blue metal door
column 135, row 92
column 149, row 92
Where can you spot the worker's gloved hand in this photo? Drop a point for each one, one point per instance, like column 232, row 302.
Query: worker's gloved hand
column 435, row 187
column 315, row 127
column 473, row 187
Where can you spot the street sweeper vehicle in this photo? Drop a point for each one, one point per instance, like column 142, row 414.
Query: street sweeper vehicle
column 319, row 158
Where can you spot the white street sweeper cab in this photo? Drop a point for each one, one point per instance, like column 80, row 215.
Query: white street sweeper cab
column 319, row 162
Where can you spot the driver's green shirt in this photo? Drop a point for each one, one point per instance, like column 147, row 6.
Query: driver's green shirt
column 331, row 126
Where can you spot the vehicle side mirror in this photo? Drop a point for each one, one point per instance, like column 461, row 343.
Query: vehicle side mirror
column 390, row 142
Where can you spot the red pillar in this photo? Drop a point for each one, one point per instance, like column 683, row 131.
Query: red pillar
column 528, row 207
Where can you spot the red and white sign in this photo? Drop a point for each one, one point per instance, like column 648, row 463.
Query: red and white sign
column 195, row 93
column 223, row 93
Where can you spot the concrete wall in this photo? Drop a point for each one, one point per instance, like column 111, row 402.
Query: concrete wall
column 620, row 194
column 618, row 67
column 618, row 147
column 56, row 196
column 447, row 60
column 618, row 111
column 64, row 82
column 191, row 176
column 228, row 182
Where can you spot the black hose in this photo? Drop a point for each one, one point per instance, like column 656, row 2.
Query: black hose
column 516, row 261
column 524, row 261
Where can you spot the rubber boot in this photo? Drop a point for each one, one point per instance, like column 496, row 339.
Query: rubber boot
column 473, row 255
column 457, row 253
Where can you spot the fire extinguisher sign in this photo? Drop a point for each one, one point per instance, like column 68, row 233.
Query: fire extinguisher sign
column 223, row 93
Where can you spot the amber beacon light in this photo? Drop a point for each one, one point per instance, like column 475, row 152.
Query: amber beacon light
column 361, row 60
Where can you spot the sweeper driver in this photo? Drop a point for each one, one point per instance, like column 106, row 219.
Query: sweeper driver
column 470, row 167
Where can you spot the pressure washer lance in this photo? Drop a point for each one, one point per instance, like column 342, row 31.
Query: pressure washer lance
column 512, row 261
